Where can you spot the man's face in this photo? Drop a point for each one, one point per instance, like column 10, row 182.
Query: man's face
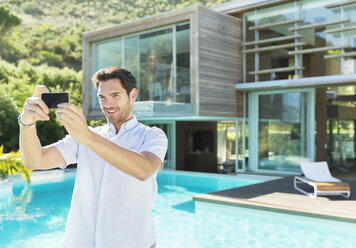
column 116, row 105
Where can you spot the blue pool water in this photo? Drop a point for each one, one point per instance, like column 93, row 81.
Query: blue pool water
column 34, row 216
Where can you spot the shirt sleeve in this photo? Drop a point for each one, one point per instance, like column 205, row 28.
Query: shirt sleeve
column 68, row 147
column 155, row 142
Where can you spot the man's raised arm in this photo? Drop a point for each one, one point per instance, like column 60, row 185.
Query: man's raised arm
column 33, row 155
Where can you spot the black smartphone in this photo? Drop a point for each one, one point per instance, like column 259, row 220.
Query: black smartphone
column 53, row 99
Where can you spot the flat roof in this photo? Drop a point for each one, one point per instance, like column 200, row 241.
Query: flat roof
column 141, row 20
column 246, row 5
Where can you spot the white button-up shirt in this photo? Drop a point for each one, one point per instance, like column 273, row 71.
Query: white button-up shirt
column 111, row 209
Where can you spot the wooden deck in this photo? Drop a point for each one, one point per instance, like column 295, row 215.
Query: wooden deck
column 279, row 195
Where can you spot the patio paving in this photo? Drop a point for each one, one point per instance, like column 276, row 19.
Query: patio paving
column 279, row 195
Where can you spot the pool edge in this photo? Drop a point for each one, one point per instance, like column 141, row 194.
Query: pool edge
column 258, row 206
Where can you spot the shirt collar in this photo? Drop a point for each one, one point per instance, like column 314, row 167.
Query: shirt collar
column 125, row 126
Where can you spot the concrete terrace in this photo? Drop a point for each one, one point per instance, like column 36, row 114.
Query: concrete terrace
column 280, row 196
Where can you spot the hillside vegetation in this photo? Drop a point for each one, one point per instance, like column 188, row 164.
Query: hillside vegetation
column 40, row 43
column 51, row 30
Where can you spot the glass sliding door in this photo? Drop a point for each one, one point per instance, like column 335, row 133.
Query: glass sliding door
column 283, row 127
column 226, row 147
column 242, row 144
column 169, row 128
column 231, row 152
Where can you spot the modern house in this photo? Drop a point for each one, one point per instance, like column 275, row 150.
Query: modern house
column 246, row 86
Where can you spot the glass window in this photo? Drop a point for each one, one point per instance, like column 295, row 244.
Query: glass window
column 132, row 57
column 350, row 39
column 107, row 53
column 156, row 66
column 282, row 131
column 321, row 28
column 183, row 63
column 270, row 58
column 315, row 64
column 150, row 58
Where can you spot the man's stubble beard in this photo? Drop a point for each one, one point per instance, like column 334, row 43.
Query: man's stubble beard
column 123, row 114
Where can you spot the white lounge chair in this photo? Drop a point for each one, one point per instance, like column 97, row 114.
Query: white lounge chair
column 317, row 175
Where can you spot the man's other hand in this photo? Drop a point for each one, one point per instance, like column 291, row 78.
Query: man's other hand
column 74, row 121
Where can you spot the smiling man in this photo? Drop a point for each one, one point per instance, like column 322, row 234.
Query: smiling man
column 117, row 164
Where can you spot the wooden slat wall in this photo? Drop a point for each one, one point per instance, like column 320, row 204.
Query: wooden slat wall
column 220, row 62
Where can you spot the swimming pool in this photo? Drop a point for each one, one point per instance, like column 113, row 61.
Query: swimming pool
column 35, row 216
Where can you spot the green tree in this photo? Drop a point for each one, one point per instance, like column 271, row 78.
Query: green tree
column 31, row 8
column 7, row 20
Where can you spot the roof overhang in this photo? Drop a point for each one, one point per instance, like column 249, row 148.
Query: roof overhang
column 315, row 82
column 236, row 7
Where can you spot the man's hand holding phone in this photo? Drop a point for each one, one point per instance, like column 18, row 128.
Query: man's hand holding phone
column 34, row 108
column 37, row 107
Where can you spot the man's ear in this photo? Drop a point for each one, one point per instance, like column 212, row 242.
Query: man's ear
column 133, row 94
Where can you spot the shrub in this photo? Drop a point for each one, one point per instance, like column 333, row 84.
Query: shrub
column 9, row 131
column 11, row 164
column 31, row 9
column 51, row 58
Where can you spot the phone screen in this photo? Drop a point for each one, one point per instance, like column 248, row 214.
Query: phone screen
column 53, row 99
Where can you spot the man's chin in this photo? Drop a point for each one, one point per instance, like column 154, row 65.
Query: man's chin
column 113, row 120
column 110, row 119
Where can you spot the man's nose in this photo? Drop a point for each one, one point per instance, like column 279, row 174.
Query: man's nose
column 108, row 103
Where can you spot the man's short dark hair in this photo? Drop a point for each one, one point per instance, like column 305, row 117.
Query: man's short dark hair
column 128, row 81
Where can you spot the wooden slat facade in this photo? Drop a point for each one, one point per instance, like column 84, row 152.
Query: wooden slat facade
column 220, row 62
column 215, row 56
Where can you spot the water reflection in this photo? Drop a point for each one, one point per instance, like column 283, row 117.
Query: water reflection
column 38, row 208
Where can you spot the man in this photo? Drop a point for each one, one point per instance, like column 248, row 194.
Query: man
column 117, row 163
